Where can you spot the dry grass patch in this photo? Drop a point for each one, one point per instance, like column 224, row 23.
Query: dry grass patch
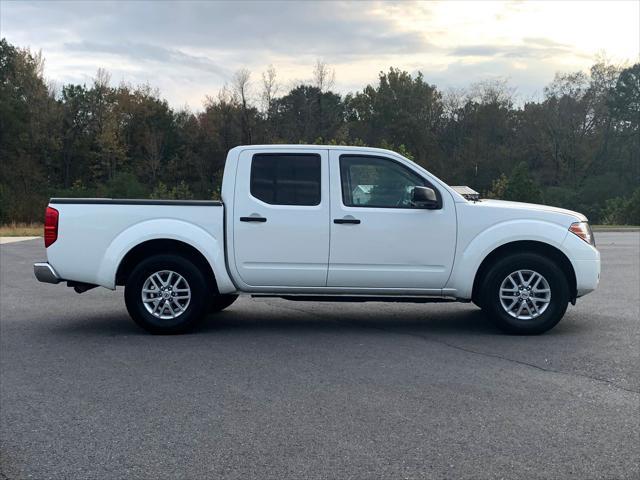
column 21, row 230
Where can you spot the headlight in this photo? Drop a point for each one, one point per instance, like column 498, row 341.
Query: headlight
column 583, row 230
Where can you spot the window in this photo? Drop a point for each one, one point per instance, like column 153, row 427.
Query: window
column 377, row 182
column 286, row 179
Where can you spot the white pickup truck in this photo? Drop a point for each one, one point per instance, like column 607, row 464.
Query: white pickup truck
column 327, row 223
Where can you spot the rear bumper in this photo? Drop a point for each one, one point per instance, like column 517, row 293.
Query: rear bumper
column 45, row 273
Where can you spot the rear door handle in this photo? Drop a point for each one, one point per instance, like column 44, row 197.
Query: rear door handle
column 253, row 219
column 341, row 221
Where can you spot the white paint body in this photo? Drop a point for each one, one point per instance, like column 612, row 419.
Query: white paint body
column 300, row 250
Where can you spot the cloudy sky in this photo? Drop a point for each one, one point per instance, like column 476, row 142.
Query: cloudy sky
column 190, row 49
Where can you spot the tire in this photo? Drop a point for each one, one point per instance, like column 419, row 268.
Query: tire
column 220, row 302
column 188, row 298
column 533, row 311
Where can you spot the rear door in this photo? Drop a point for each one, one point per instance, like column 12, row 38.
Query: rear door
column 281, row 218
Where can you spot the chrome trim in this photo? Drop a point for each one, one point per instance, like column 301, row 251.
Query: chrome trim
column 45, row 273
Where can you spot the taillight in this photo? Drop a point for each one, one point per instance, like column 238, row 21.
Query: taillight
column 50, row 226
column 583, row 230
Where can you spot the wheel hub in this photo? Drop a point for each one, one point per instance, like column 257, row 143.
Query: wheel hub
column 166, row 294
column 525, row 294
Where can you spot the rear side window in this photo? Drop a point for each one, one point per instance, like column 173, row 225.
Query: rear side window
column 286, row 179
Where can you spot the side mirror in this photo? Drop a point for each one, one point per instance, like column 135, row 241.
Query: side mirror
column 424, row 197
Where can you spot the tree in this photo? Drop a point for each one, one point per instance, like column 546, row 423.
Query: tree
column 623, row 210
column 241, row 84
column 324, row 77
column 306, row 114
column 75, row 124
column 518, row 186
column 625, row 99
column 578, row 147
column 29, row 133
column 270, row 89
column 399, row 110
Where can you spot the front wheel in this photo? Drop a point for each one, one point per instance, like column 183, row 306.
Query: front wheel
column 525, row 294
column 166, row 294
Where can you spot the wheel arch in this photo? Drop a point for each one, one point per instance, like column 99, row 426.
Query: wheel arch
column 526, row 246
column 163, row 245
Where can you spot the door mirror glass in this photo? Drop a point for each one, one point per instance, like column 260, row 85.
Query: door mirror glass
column 424, row 197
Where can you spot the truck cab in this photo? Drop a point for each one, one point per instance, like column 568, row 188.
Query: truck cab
column 340, row 220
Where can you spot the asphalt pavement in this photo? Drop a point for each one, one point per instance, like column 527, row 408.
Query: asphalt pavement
column 278, row 389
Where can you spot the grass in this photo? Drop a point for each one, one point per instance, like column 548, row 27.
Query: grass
column 21, row 230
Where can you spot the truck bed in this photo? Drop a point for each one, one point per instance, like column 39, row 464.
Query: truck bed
column 95, row 233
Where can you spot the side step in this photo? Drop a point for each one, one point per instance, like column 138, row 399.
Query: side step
column 357, row 298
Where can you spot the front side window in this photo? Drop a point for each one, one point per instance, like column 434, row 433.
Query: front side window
column 286, row 179
column 376, row 182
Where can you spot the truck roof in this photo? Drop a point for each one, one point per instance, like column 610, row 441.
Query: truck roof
column 233, row 155
column 315, row 147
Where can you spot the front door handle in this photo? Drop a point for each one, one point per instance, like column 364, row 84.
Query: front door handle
column 253, row 219
column 341, row 221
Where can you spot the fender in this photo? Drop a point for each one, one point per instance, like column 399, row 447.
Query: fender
column 172, row 229
column 473, row 252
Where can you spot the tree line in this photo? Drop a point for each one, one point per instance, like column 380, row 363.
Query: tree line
column 577, row 147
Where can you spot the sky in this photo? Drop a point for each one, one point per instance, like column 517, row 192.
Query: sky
column 191, row 49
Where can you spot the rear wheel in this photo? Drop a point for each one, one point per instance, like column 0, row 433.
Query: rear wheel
column 525, row 294
column 166, row 294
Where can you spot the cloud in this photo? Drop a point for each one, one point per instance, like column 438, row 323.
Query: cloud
column 527, row 79
column 538, row 48
column 307, row 28
column 191, row 48
column 144, row 53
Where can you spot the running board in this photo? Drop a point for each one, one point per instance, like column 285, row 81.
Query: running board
column 357, row 298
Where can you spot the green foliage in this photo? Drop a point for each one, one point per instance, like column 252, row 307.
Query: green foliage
column 623, row 210
column 518, row 187
column 591, row 196
column 402, row 150
column 625, row 97
column 125, row 185
column 77, row 190
column 179, row 192
column 400, row 110
column 565, row 197
column 579, row 145
column 521, row 187
column 307, row 114
column 498, row 188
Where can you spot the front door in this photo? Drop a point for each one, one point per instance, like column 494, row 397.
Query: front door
column 379, row 240
column 281, row 218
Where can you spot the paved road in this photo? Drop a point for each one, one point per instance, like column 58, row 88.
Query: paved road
column 276, row 389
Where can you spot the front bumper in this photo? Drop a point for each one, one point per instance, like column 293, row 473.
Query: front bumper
column 45, row 273
column 587, row 275
column 585, row 259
